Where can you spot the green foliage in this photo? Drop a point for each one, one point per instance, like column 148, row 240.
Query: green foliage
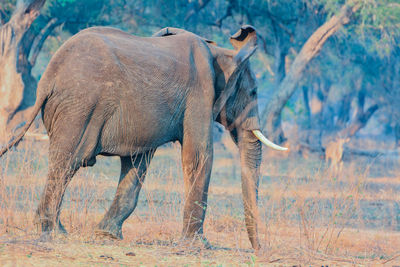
column 377, row 25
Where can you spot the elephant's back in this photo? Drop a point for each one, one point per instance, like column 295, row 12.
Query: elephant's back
column 121, row 83
column 111, row 61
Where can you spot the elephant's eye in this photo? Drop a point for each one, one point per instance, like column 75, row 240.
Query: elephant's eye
column 253, row 92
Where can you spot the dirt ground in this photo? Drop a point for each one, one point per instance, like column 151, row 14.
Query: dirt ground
column 309, row 217
column 76, row 251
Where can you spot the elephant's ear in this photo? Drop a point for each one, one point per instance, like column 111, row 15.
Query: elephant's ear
column 245, row 43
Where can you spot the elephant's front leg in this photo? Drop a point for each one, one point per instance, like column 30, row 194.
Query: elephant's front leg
column 197, row 156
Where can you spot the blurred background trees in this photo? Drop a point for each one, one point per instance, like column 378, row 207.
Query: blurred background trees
column 24, row 29
column 326, row 69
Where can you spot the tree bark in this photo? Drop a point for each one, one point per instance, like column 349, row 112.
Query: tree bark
column 270, row 116
column 12, row 79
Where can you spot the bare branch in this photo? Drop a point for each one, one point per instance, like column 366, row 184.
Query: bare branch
column 359, row 122
column 277, row 22
column 41, row 38
column 199, row 5
column 227, row 15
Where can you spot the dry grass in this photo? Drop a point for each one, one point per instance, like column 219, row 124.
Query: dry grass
column 308, row 216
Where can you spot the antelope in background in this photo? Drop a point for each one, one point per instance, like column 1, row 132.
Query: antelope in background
column 334, row 154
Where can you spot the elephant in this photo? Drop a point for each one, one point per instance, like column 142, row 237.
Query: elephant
column 107, row 92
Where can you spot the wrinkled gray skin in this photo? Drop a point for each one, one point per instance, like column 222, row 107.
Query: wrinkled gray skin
column 106, row 92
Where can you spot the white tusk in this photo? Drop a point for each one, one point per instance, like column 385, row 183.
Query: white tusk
column 266, row 142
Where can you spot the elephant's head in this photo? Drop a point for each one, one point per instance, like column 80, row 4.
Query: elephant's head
column 236, row 108
column 236, row 86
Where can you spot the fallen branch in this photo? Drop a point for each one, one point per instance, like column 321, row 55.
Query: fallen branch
column 350, row 151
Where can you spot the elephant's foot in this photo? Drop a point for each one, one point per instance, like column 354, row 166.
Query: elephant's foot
column 61, row 229
column 261, row 253
column 197, row 241
column 109, row 231
column 47, row 234
column 46, row 227
column 45, row 237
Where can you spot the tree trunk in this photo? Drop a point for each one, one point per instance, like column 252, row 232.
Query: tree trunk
column 323, row 118
column 306, row 101
column 344, row 110
column 319, row 115
column 345, row 103
column 13, row 81
column 270, row 117
column 397, row 135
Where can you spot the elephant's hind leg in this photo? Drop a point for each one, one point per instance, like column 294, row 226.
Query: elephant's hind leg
column 133, row 171
column 61, row 171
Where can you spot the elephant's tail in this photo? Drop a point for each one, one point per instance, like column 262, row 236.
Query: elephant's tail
column 16, row 139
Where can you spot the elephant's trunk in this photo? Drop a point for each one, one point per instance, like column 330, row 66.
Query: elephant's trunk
column 250, row 158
